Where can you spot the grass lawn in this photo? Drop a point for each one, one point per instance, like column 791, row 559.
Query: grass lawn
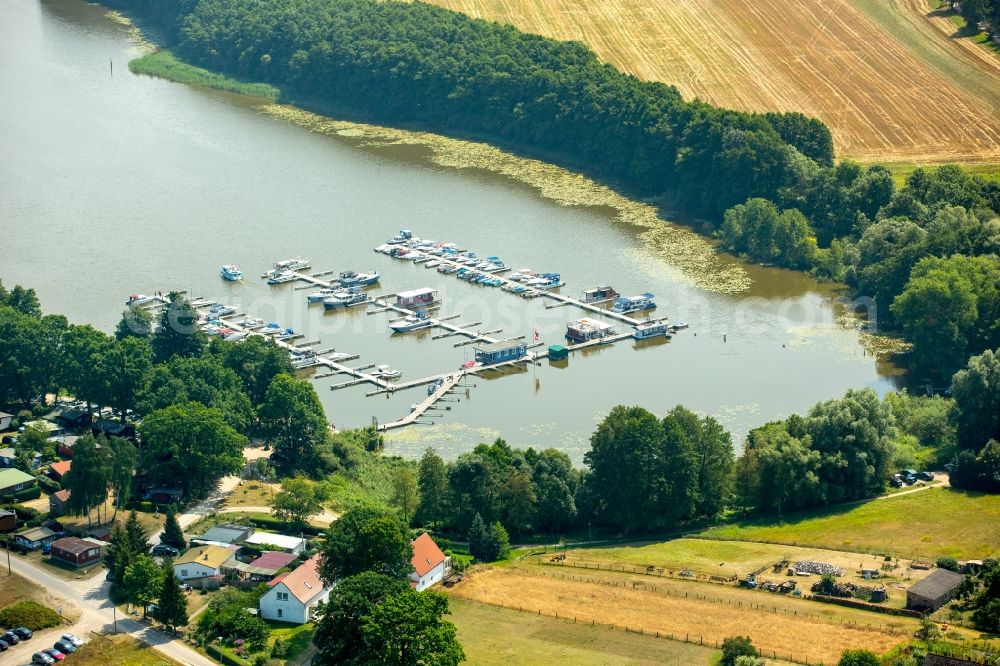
column 928, row 524
column 298, row 638
column 492, row 635
column 252, row 493
column 120, row 650
column 165, row 65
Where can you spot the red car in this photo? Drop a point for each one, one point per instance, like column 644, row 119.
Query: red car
column 55, row 654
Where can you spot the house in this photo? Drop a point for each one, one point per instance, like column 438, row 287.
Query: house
column 65, row 445
column 75, row 418
column 498, row 352
column 5, row 420
column 934, row 591
column 35, row 538
column 163, row 495
column 272, row 541
column 227, row 534
column 201, row 562
column 13, row 480
column 264, row 568
column 48, row 427
column 8, row 520
column 430, row 565
column 76, row 552
column 57, row 470
column 8, row 457
column 57, row 502
column 112, row 428
column 293, row 596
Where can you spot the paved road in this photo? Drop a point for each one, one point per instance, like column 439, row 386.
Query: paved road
column 91, row 596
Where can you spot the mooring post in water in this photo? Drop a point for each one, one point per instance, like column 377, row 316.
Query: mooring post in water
column 111, row 65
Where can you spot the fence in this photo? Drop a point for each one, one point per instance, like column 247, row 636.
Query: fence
column 645, row 571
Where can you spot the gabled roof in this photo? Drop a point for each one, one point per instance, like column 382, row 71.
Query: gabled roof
column 209, row 556
column 36, row 534
column 426, row 554
column 304, row 583
column 73, row 545
column 11, row 477
column 61, row 495
column 61, row 467
column 226, row 533
column 274, row 560
column 938, row 582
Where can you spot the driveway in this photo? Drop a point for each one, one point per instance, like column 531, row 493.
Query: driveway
column 95, row 616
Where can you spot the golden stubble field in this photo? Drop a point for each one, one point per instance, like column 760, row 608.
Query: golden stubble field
column 889, row 80
column 800, row 637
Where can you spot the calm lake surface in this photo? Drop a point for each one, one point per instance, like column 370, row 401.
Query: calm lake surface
column 120, row 184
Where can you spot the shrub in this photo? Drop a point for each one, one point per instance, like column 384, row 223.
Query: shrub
column 28, row 614
column 32, row 493
column 280, row 649
column 48, row 485
column 737, row 646
column 858, row 658
column 949, row 563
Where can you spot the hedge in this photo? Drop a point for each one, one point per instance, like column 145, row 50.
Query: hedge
column 32, row 493
column 50, row 485
column 864, row 605
column 224, row 657
column 28, row 614
column 264, row 521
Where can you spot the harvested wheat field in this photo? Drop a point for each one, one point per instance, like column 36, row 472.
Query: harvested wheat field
column 889, row 88
column 679, row 617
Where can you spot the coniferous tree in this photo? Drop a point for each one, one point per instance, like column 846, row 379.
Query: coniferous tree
column 172, row 533
column 172, row 609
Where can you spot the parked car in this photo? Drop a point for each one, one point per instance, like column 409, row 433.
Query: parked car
column 54, row 653
column 72, row 638
column 896, row 482
column 23, row 633
column 65, row 647
column 10, row 638
column 42, row 659
column 3, row 646
column 165, row 550
column 46, row 548
column 925, row 476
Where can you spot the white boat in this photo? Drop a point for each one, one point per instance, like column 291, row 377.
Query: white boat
column 231, row 272
column 346, row 299
column 679, row 325
column 233, row 336
column 297, row 264
column 383, row 247
column 353, row 279
column 411, row 322
column 251, row 323
column 319, row 296
column 432, row 264
column 220, row 310
column 384, row 372
column 626, row 304
column 282, row 277
column 522, row 275
column 651, row 329
column 141, row 299
column 339, row 356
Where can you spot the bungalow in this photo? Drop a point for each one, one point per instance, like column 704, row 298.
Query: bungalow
column 76, row 552
column 57, row 470
column 227, row 534
column 65, row 445
column 35, row 538
column 13, row 480
column 163, row 495
column 8, row 520
column 48, row 427
column 293, row 597
column 201, row 562
column 5, row 420
column 112, row 428
column 75, row 418
column 8, row 457
column 272, row 541
column 264, row 568
column 57, row 502
column 498, row 352
column 934, row 591
column 430, row 565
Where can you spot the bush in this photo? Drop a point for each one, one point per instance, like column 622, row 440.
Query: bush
column 32, row 493
column 949, row 563
column 280, row 649
column 28, row 614
column 48, row 485
column 737, row 646
column 858, row 658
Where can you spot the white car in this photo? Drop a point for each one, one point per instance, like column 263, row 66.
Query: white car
column 73, row 638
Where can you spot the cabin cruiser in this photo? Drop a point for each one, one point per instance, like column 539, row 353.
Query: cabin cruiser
column 651, row 329
column 282, row 277
column 321, row 295
column 545, row 281
column 233, row 336
column 413, row 322
column 400, row 238
column 231, row 272
column 384, row 372
column 251, row 323
column 141, row 299
column 352, row 279
column 297, row 264
column 522, row 275
column 626, row 304
column 346, row 299
column 339, row 356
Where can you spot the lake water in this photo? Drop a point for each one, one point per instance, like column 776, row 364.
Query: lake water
column 112, row 184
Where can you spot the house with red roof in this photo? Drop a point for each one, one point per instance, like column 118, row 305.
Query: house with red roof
column 57, row 502
column 57, row 470
column 293, row 596
column 430, row 565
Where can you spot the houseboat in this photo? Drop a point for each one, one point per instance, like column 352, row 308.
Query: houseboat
column 416, row 298
column 626, row 304
column 345, row 299
column 412, row 322
column 651, row 329
column 586, row 329
column 599, row 294
column 297, row 264
column 498, row 352
column 231, row 272
column 352, row 279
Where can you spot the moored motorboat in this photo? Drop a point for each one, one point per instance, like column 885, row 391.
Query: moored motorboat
column 353, row 279
column 385, row 372
column 626, row 304
column 319, row 296
column 141, row 299
column 412, row 322
column 296, row 264
column 220, row 310
column 282, row 277
column 231, row 272
column 345, row 299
